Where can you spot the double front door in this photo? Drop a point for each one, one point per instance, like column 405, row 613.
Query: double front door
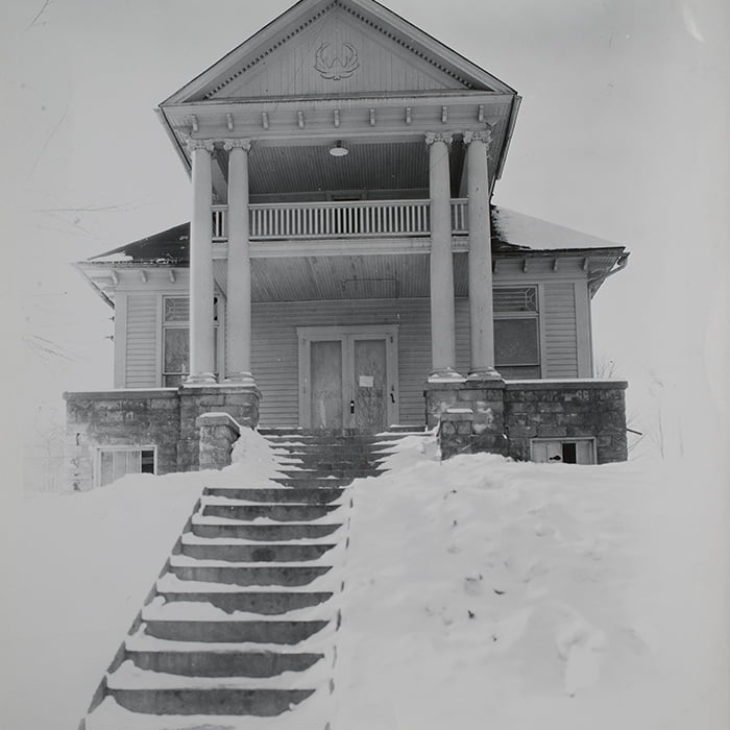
column 348, row 378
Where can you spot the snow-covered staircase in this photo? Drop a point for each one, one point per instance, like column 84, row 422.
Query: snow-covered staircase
column 242, row 622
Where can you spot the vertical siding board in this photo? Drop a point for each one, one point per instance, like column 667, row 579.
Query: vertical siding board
column 141, row 350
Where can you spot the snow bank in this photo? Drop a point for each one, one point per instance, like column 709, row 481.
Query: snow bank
column 482, row 592
column 78, row 567
column 479, row 593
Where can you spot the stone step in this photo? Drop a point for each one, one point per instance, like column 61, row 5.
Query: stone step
column 269, row 603
column 277, row 512
column 252, row 630
column 248, row 574
column 322, row 495
column 247, row 553
column 212, row 662
column 264, row 533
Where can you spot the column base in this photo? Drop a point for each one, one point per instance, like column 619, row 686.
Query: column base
column 200, row 379
column 445, row 375
column 487, row 373
column 242, row 378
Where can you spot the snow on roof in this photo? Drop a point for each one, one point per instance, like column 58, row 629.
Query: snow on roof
column 167, row 247
column 511, row 232
column 519, row 229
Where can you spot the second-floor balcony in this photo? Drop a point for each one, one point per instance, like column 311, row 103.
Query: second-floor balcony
column 340, row 219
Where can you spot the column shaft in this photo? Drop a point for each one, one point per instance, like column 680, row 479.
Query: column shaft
column 481, row 315
column 202, row 330
column 443, row 324
column 238, row 302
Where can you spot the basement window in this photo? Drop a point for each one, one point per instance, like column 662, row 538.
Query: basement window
column 563, row 451
column 114, row 462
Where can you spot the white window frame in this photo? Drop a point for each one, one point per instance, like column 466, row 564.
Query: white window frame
column 219, row 309
column 121, row 448
column 565, row 440
column 536, row 315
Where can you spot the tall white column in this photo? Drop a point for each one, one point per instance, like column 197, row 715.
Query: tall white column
column 202, row 330
column 443, row 324
column 238, row 299
column 481, row 315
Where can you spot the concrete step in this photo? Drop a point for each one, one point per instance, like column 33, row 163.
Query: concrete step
column 295, row 449
column 330, row 464
column 248, row 574
column 268, row 603
column 306, row 481
column 214, row 662
column 252, row 630
column 192, row 701
column 277, row 512
column 327, row 440
column 306, row 476
column 264, row 533
column 263, row 553
column 322, row 495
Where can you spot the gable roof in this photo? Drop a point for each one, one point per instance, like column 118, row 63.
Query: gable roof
column 228, row 77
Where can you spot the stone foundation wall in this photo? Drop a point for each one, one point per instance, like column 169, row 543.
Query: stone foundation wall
column 567, row 410
column 503, row 417
column 164, row 418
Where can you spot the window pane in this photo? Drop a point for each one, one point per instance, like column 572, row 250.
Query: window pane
column 515, row 299
column 177, row 309
column 177, row 347
column 148, row 462
column 106, row 463
column 515, row 342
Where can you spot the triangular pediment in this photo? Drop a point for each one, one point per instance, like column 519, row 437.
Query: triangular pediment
column 337, row 47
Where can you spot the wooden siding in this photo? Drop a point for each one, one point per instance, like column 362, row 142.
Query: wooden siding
column 141, row 356
column 275, row 354
column 560, row 342
column 381, row 64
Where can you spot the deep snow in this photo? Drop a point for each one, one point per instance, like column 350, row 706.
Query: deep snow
column 479, row 593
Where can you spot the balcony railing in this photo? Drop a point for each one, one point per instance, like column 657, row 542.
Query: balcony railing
column 336, row 219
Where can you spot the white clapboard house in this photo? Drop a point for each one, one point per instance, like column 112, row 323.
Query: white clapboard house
column 344, row 268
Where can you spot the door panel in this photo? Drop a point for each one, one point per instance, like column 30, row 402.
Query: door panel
column 370, row 385
column 326, row 375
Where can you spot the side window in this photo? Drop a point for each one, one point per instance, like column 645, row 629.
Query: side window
column 517, row 331
column 176, row 340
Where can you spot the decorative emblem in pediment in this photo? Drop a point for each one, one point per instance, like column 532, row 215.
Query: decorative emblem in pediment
column 336, row 64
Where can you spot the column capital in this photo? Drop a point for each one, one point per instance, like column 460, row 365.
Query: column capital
column 236, row 143
column 432, row 137
column 200, row 144
column 479, row 135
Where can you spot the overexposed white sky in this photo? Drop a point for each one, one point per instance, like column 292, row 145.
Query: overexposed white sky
column 623, row 133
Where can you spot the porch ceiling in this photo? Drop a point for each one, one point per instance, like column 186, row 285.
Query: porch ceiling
column 343, row 277
column 314, row 170
column 309, row 172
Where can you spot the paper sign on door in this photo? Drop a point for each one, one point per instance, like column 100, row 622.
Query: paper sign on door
column 367, row 381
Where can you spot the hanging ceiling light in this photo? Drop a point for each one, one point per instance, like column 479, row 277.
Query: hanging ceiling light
column 339, row 150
